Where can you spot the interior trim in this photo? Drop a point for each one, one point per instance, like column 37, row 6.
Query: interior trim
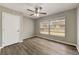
column 77, row 48
column 58, row 41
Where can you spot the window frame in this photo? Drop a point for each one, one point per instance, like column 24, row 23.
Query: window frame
column 54, row 19
column 59, row 18
column 40, row 28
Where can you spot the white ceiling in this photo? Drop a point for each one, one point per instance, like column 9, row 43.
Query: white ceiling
column 50, row 8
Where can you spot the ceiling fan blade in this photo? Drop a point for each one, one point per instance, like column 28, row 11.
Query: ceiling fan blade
column 40, row 8
column 30, row 10
column 31, row 14
column 42, row 13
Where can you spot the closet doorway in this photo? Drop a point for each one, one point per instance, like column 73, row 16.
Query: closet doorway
column 10, row 29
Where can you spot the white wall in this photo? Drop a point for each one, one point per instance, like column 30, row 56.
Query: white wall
column 0, row 29
column 71, row 24
column 27, row 25
column 78, row 28
column 27, row 28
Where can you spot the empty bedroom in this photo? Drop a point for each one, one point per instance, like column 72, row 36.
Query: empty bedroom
column 39, row 29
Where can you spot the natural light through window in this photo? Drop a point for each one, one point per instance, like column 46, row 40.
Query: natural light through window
column 44, row 27
column 57, row 28
column 53, row 27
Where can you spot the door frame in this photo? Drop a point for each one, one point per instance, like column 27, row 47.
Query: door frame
column 20, row 40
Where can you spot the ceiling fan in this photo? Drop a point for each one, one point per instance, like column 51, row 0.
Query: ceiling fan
column 36, row 11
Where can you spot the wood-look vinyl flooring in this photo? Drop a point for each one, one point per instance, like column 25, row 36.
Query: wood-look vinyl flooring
column 39, row 46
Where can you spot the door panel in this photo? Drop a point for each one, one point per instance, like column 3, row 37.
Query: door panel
column 11, row 28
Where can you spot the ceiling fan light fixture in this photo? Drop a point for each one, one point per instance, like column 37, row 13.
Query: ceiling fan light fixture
column 36, row 14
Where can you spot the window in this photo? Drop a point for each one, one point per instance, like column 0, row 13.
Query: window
column 57, row 28
column 53, row 27
column 44, row 27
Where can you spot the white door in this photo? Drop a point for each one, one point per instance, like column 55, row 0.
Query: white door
column 11, row 29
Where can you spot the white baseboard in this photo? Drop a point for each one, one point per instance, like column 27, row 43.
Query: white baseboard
column 1, row 47
column 11, row 44
column 29, row 37
column 21, row 41
column 59, row 41
column 17, row 42
column 77, row 48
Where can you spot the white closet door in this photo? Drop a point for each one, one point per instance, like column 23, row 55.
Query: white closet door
column 11, row 28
